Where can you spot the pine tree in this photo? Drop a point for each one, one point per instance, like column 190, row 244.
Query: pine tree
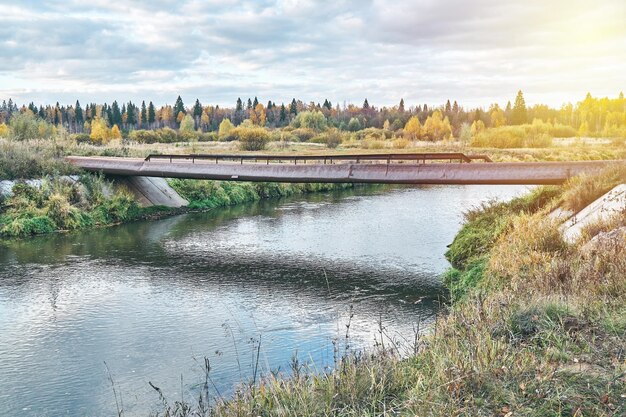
column 519, row 114
column 255, row 102
column 366, row 105
column 131, row 115
column 249, row 107
column 144, row 114
column 179, row 107
column 455, row 107
column 197, row 109
column 401, row 106
column 448, row 107
column 239, row 106
column 115, row 117
column 293, row 107
column 283, row 113
column 80, row 119
column 151, row 114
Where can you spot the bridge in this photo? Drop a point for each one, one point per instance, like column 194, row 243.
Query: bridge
column 407, row 168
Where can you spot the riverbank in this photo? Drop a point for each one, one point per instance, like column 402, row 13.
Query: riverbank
column 537, row 328
column 62, row 205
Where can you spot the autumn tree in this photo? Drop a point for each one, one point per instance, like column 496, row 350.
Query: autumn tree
column 354, row 125
column 100, row 133
column 497, row 116
column 257, row 115
column 519, row 113
column 436, row 127
column 413, row 128
column 187, row 124
column 115, row 132
column 310, row 120
column 226, row 127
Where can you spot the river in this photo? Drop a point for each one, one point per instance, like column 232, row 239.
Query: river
column 153, row 299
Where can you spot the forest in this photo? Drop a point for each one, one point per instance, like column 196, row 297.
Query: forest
column 254, row 124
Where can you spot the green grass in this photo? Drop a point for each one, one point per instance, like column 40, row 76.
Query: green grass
column 203, row 194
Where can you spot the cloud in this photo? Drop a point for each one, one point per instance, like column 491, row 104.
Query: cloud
column 425, row 51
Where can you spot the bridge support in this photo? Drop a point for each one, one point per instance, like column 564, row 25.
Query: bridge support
column 151, row 191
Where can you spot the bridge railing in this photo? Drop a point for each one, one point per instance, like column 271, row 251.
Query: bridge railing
column 325, row 159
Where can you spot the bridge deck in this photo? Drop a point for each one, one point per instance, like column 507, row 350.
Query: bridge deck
column 382, row 171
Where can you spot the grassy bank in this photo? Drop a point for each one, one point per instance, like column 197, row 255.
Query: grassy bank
column 537, row 328
column 63, row 205
column 203, row 194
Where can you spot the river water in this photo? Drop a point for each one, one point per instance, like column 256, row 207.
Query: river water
column 153, row 299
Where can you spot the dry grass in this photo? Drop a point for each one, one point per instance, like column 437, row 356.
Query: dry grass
column 542, row 333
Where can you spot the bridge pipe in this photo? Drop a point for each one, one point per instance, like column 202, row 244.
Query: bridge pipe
column 529, row 173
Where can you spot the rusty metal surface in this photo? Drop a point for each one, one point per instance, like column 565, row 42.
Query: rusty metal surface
column 435, row 173
column 330, row 159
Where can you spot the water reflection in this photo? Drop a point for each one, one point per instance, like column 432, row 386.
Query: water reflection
column 152, row 298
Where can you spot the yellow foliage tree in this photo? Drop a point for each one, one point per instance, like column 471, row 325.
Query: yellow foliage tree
column 413, row 128
column 436, row 127
column 386, row 124
column 100, row 133
column 257, row 115
column 225, row 128
column 115, row 132
column 204, row 119
column 497, row 117
column 477, row 127
column 4, row 130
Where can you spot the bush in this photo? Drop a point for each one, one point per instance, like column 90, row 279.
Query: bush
column 28, row 126
column 310, row 120
column 562, row 131
column 333, row 139
column 27, row 226
column 167, row 135
column 400, row 143
column 207, row 137
column 144, row 136
column 354, row 125
column 81, row 138
column 252, row 139
column 304, row 134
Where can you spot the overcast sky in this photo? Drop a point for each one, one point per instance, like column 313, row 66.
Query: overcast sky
column 424, row 51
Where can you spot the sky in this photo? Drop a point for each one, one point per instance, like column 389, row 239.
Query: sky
column 425, row 51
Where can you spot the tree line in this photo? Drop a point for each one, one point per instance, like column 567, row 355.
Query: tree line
column 591, row 116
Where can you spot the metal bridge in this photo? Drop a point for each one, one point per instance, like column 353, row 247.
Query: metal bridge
column 400, row 168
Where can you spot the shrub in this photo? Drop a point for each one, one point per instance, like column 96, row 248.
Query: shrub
column 252, row 139
column 562, row 131
column 310, row 120
column 354, row 125
column 167, row 135
column 26, row 226
column 27, row 126
column 400, row 143
column 333, row 138
column 4, row 130
column 304, row 134
column 207, row 137
column 81, row 138
column 144, row 136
